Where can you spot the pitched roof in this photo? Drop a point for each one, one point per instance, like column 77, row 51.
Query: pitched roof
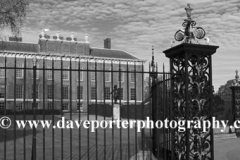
column 92, row 51
column 111, row 53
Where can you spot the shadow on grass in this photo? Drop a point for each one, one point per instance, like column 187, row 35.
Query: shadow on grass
column 20, row 132
column 10, row 134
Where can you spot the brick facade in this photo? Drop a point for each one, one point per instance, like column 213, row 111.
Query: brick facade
column 55, row 52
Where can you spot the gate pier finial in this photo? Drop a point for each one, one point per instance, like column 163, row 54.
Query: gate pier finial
column 236, row 101
column 191, row 82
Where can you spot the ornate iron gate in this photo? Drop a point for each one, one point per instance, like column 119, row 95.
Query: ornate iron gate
column 161, row 101
column 35, row 88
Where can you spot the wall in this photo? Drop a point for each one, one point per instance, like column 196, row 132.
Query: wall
column 57, row 81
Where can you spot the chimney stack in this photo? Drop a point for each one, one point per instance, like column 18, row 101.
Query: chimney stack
column 107, row 43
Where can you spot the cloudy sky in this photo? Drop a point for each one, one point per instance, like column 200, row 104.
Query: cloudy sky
column 136, row 25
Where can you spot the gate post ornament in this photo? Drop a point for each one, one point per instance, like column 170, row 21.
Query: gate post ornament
column 236, row 101
column 190, row 33
column 191, row 90
column 236, row 81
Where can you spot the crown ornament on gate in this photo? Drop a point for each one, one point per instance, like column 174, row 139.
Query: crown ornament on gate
column 236, row 81
column 190, row 33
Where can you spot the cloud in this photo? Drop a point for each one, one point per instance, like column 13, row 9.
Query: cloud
column 137, row 25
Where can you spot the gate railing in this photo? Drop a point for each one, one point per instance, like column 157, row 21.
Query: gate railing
column 34, row 87
column 161, row 99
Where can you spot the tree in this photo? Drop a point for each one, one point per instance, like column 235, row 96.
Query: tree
column 228, row 114
column 146, row 88
column 218, row 106
column 12, row 13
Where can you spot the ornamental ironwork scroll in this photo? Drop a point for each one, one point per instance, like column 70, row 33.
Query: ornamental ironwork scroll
column 190, row 33
column 179, row 104
column 191, row 92
column 236, row 98
column 196, row 107
column 237, row 104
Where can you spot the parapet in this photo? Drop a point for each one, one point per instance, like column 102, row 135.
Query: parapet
column 64, row 47
column 57, row 45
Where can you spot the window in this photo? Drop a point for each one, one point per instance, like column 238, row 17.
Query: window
column 65, row 106
column 65, row 73
column 80, row 92
column 133, row 76
column 107, row 92
column 93, row 93
column 120, row 75
column 2, row 106
column 133, row 94
column 49, row 105
column 2, row 73
column 65, row 92
column 107, row 75
column 79, row 106
column 19, row 72
column 19, row 91
column 93, row 76
column 81, row 75
column 19, row 107
column 49, row 92
column 120, row 90
column 36, row 105
column 36, row 91
column 2, row 92
column 49, row 73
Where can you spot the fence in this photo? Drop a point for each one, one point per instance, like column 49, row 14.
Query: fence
column 77, row 88
column 161, row 90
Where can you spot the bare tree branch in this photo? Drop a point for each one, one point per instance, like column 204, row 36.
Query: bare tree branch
column 12, row 13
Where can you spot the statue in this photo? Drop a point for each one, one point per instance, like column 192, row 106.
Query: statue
column 116, row 93
column 189, row 10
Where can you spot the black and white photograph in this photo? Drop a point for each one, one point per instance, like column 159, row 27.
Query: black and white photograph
column 119, row 80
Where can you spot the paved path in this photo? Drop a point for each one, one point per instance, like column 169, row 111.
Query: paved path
column 109, row 155
column 227, row 149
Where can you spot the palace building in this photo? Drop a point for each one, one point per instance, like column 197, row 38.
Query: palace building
column 69, row 73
